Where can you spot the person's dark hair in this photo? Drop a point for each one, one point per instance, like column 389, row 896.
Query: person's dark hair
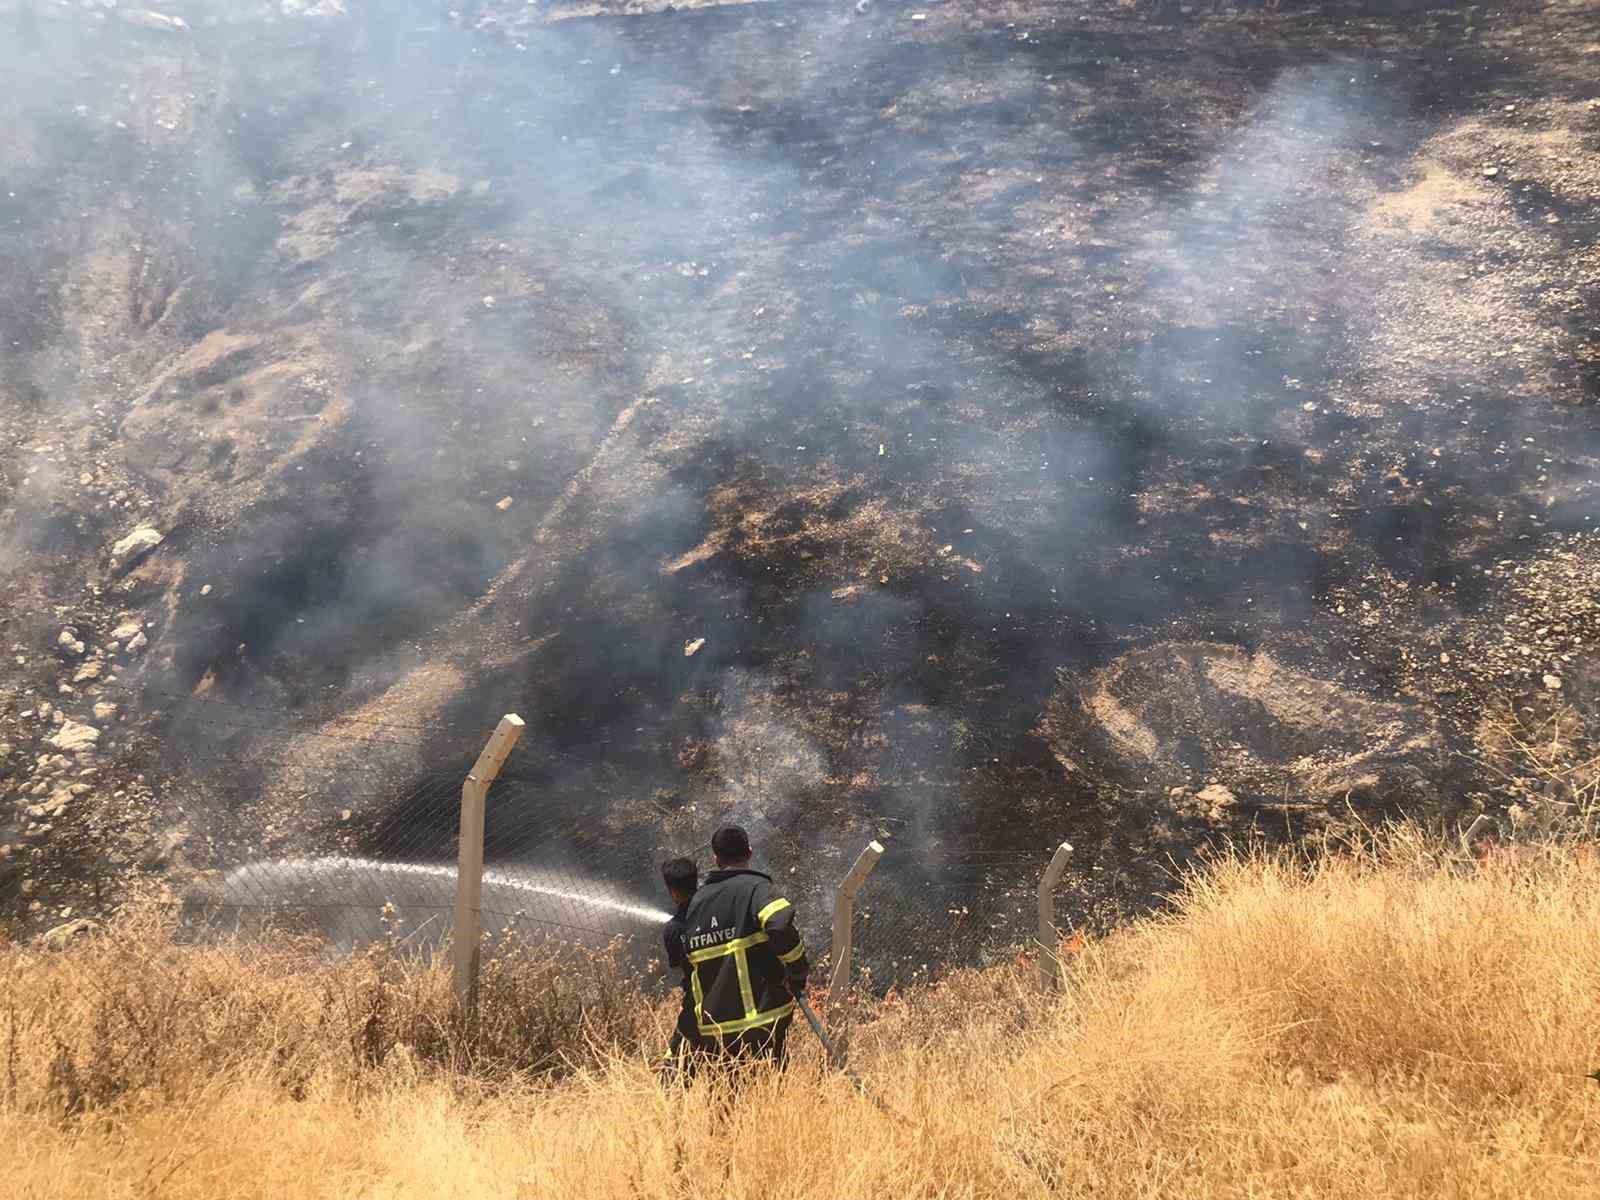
column 730, row 844
column 681, row 875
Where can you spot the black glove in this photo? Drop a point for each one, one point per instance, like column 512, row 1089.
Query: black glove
column 797, row 987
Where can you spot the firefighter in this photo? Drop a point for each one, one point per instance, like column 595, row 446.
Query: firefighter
column 746, row 960
column 682, row 878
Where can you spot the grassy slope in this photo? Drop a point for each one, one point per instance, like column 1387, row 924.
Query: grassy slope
column 1387, row 1025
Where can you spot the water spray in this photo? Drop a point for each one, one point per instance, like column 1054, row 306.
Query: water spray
column 326, row 886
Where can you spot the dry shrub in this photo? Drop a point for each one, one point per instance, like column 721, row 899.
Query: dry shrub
column 550, row 1007
column 1397, row 963
column 1391, row 1022
column 129, row 1013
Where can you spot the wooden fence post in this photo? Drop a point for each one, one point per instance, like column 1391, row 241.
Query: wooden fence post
column 469, row 864
column 1050, row 973
column 843, row 908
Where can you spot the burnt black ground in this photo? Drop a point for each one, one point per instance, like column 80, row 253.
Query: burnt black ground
column 1061, row 281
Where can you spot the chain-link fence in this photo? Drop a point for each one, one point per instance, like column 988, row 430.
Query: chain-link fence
column 323, row 846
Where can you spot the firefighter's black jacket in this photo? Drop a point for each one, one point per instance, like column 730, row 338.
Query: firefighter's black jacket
column 678, row 960
column 743, row 950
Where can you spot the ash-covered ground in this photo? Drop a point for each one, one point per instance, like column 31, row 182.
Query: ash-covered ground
column 979, row 424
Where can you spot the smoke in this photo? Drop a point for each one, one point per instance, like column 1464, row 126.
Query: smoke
column 903, row 364
column 767, row 765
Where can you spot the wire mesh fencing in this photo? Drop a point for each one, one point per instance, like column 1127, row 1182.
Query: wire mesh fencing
column 326, row 847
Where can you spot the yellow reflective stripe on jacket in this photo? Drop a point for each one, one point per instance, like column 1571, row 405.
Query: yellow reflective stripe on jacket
column 797, row 952
column 741, row 963
column 733, row 947
column 754, row 1021
column 770, row 911
column 699, row 998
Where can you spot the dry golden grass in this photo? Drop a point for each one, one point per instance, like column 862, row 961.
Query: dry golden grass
column 1387, row 1024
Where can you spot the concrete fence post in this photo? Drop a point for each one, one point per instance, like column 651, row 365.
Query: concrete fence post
column 469, row 864
column 1471, row 834
column 844, row 901
column 1050, row 972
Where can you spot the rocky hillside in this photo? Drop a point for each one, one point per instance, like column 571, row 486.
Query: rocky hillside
column 978, row 423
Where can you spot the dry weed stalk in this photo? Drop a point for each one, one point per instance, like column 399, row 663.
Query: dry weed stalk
column 1548, row 757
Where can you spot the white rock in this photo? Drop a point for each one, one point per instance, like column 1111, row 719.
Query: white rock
column 137, row 643
column 64, row 935
column 134, row 546
column 127, row 630
column 89, row 671
column 1553, row 682
column 74, row 736
column 146, row 19
column 68, row 641
column 313, row 8
column 104, row 711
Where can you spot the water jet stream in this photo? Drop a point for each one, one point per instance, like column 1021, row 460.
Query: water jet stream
column 354, row 900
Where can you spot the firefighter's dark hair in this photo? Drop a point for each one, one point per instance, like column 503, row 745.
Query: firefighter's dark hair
column 681, row 875
column 730, row 843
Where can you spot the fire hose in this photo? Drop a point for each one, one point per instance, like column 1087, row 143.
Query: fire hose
column 836, row 1057
column 827, row 1044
